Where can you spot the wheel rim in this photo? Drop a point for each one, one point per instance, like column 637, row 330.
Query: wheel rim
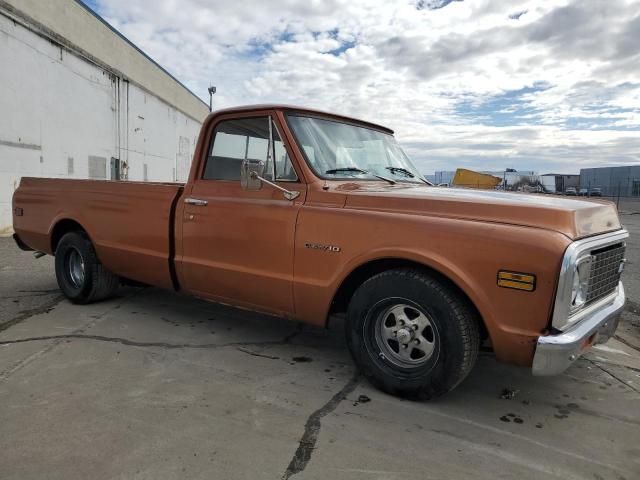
column 405, row 335
column 75, row 264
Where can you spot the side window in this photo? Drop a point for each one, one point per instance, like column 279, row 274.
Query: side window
column 284, row 168
column 233, row 141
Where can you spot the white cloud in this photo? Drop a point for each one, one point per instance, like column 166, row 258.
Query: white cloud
column 544, row 85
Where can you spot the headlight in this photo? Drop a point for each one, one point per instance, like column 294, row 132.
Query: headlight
column 576, row 274
column 580, row 285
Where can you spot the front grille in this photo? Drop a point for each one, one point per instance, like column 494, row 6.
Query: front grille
column 605, row 271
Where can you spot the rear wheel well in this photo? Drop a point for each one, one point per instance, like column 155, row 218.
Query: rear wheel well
column 61, row 228
column 356, row 278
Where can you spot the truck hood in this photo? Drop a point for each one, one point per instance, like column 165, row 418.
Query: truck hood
column 574, row 218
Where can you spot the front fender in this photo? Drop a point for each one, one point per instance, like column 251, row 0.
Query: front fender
column 469, row 253
column 431, row 260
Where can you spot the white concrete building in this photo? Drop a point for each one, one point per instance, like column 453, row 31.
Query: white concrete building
column 559, row 182
column 78, row 100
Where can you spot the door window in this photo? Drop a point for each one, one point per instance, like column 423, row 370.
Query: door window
column 234, row 141
column 284, row 168
column 248, row 138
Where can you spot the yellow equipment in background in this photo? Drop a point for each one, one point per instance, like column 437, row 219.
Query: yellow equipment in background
column 470, row 179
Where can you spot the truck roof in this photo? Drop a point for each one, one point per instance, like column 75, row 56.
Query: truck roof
column 295, row 108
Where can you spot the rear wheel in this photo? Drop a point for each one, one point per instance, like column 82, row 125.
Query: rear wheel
column 412, row 334
column 81, row 276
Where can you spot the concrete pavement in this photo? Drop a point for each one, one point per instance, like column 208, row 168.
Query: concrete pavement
column 156, row 385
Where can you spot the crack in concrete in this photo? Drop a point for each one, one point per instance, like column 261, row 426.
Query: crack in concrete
column 312, row 429
column 612, row 375
column 24, row 315
column 626, row 342
column 133, row 343
column 4, row 375
column 55, row 290
column 257, row 354
column 619, row 365
column 29, row 295
column 294, row 334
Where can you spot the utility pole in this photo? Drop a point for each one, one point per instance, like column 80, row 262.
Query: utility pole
column 212, row 91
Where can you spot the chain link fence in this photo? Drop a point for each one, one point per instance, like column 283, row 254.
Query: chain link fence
column 625, row 196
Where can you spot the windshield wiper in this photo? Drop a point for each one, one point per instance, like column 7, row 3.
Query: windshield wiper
column 407, row 173
column 345, row 169
column 359, row 170
column 401, row 170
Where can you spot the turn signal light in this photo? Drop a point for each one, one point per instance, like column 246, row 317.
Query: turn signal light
column 519, row 281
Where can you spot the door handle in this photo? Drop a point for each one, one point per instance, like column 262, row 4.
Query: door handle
column 196, row 201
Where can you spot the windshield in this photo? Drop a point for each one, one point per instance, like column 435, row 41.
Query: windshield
column 339, row 150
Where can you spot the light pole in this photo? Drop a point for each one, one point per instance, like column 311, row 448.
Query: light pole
column 212, row 91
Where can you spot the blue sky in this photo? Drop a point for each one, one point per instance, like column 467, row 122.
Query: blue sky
column 93, row 4
column 504, row 109
column 485, row 84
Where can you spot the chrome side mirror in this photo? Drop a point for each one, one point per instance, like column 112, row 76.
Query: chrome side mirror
column 251, row 172
column 251, row 178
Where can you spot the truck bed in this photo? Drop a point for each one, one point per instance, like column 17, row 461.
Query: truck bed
column 131, row 224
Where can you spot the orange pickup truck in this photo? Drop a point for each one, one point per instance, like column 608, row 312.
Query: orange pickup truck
column 306, row 215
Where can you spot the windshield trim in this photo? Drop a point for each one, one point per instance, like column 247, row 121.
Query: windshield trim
column 323, row 176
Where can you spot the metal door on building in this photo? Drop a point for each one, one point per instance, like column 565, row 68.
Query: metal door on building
column 115, row 169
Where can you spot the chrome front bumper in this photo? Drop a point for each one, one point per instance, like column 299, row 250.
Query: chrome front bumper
column 555, row 353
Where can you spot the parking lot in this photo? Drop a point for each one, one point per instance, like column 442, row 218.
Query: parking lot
column 156, row 385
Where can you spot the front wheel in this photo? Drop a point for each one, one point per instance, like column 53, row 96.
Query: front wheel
column 412, row 334
column 81, row 276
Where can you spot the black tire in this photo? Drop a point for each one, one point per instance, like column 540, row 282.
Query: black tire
column 94, row 283
column 451, row 333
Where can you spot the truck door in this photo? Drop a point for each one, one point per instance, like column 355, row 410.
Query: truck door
column 237, row 245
